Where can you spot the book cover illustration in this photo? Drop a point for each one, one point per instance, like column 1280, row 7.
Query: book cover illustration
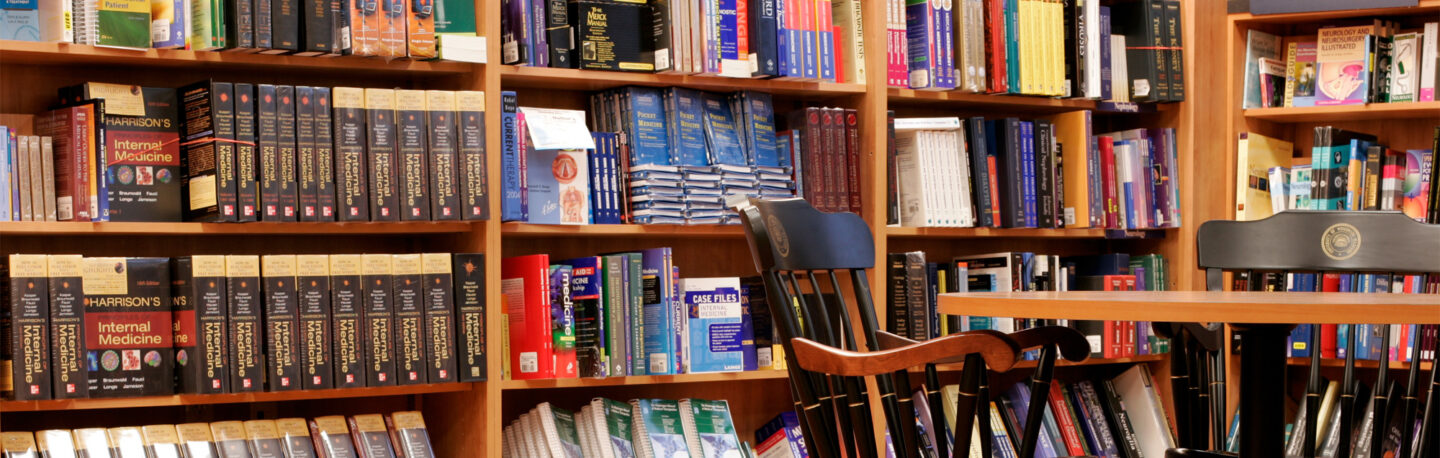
column 718, row 336
column 1343, row 65
column 1305, row 73
column 128, row 326
column 662, row 426
column 1417, row 182
column 715, row 428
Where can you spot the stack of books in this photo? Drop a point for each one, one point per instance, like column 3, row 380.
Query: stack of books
column 630, row 313
column 399, row 434
column 641, row 427
column 1377, row 62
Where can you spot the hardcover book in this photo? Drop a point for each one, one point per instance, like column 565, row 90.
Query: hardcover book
column 378, row 328
column 352, row 198
column 240, row 26
column 347, row 320
column 332, row 437
column 585, row 291
column 295, row 438
column 562, row 321
column 29, row 329
column 471, row 163
column 247, row 167
column 230, row 439
column 125, row 441
column 142, row 152
column 247, row 356
column 525, row 285
column 209, row 131
column 285, row 153
column 608, row 38
column 372, row 439
column 307, row 181
column 319, row 28
column 284, row 26
column 195, row 440
column 718, row 339
column 324, row 156
column 69, row 367
column 282, row 320
column 409, row 435
column 381, row 149
column 127, row 311
column 413, row 155
column 267, row 146
column 439, row 325
column 444, row 190
column 409, row 317
column 312, row 283
column 263, row 439
column 160, row 440
column 469, row 277
column 201, row 311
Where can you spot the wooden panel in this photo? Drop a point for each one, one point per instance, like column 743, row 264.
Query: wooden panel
column 1201, row 306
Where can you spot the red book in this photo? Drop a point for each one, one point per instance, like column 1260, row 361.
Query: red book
column 830, row 165
column 995, row 45
column 852, row 156
column 1107, row 182
column 1066, row 420
column 1329, row 333
column 525, row 287
column 1115, row 330
column 839, row 58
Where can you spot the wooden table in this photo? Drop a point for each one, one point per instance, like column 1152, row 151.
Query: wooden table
column 1264, row 319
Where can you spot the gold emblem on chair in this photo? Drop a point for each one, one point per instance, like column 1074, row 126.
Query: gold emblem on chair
column 777, row 236
column 1340, row 241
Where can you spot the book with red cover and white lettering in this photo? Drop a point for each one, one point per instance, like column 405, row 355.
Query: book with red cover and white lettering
column 525, row 287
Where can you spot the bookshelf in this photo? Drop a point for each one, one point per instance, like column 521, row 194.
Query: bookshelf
column 466, row 419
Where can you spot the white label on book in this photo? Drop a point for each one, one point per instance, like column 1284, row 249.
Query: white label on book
column 658, row 363
column 529, row 362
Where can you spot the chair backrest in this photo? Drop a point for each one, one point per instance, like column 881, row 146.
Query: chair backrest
column 792, row 235
column 1318, row 241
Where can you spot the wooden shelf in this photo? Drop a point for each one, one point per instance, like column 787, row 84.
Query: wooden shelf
column 570, row 79
column 722, row 377
column 1367, row 112
column 170, row 229
column 14, row 53
column 622, row 230
column 1359, row 363
column 204, row 399
column 1061, row 362
column 986, row 232
column 1423, row 7
column 1016, row 103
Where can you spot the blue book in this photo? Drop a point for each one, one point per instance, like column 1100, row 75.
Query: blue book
column 825, row 41
column 788, row 423
column 559, row 187
column 540, row 43
column 720, row 133
column 787, row 42
column 1105, row 73
column 688, row 128
column 760, row 117
column 920, row 34
column 1027, row 163
column 718, row 337
column 727, row 26
column 809, row 42
column 600, row 204
column 751, row 303
column 512, row 208
column 763, row 37
column 1359, row 151
column 1019, row 395
column 1127, row 188
column 945, row 44
column 1012, row 45
column 649, row 143
column 678, row 323
column 656, row 278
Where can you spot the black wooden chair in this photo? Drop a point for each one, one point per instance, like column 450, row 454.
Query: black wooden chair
column 791, row 242
column 1312, row 242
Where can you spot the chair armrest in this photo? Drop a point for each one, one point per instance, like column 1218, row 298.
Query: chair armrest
column 889, row 341
column 998, row 353
column 1072, row 343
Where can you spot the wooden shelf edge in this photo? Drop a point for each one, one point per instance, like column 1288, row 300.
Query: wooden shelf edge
column 1066, row 363
column 986, row 232
column 14, row 52
column 1359, row 363
column 621, row 230
column 574, row 79
column 169, row 229
column 1422, row 7
column 1372, row 111
column 232, row 398
column 719, row 377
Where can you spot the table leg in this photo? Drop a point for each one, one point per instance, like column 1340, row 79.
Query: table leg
column 1262, row 389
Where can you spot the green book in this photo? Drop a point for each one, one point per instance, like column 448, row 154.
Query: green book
column 124, row 23
column 658, row 431
column 613, row 425
column 709, row 428
column 559, row 428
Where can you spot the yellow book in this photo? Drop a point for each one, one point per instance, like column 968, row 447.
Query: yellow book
column 1026, row 39
column 1057, row 48
column 1254, row 157
column 1073, row 129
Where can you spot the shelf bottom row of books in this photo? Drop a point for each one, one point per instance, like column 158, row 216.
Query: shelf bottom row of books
column 1082, row 418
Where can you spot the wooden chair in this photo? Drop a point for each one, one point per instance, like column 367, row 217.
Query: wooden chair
column 791, row 241
column 1313, row 242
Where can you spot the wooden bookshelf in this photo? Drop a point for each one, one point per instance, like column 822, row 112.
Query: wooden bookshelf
column 986, row 232
column 231, row 398
column 170, row 229
column 18, row 53
column 723, row 377
column 1337, row 113
column 570, row 79
column 1359, row 363
column 623, row 230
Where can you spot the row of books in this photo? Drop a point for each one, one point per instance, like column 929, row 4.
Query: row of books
column 1117, row 417
column 395, row 28
column 114, row 327
column 640, row 428
column 396, row 435
column 27, row 171
column 629, row 314
column 1378, row 62
column 792, row 39
column 913, row 284
column 1127, row 52
column 1327, row 443
column 1051, row 172
column 237, row 152
column 1347, row 171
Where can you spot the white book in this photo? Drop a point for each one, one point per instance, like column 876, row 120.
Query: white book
column 687, row 425
column 1403, row 71
column 1120, row 82
column 1123, row 177
column 1147, row 416
column 47, row 177
column 1092, row 49
column 1279, row 179
column 587, row 437
column 909, row 169
column 951, row 153
column 941, row 123
column 507, row 441
column 962, row 155
column 934, row 174
column 533, row 434
column 55, row 21
column 601, row 429
column 7, row 185
column 1429, row 42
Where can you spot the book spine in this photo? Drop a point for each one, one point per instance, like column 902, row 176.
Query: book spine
column 443, row 155
column 285, row 25
column 1106, row 90
column 264, row 20
column 378, row 329
column 286, row 154
column 247, row 189
column 763, row 38
column 419, row 29
column 413, row 186
column 312, row 279
column 473, row 182
column 1044, row 174
column 319, row 30
column 324, row 156
column 1175, row 35
column 852, row 158
column 202, row 329
column 380, row 148
column 247, row 357
column 67, row 327
column 511, row 206
column 351, row 177
column 347, row 321
column 268, row 151
column 240, row 24
column 307, row 182
column 29, row 329
column 281, row 322
column 468, row 276
column 409, row 303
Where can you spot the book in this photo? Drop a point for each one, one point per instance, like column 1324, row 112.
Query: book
column 409, row 315
column 512, row 178
column 125, row 441
column 160, row 440
column 391, row 28
column 1142, row 404
column 718, row 340
column 306, row 176
column 1342, row 65
column 263, row 438
column 438, row 326
column 657, row 323
column 141, row 151
column 282, row 322
column 28, row 313
column 19, row 445
column 444, row 190
column 525, row 286
column 195, row 440
column 247, row 355
column 312, row 281
column 378, row 328
column 247, row 167
column 128, row 311
column 347, row 321
column 70, row 370
column 468, row 275
column 709, row 428
column 88, row 439
column 230, row 439
column 294, row 436
column 562, row 321
column 1272, row 83
column 202, row 322
column 352, row 180
column 209, row 175
column 780, row 435
column 602, row 28
column 372, row 438
column 268, row 151
column 412, row 159
column 1257, row 155
column 324, row 156
column 409, row 435
column 1258, row 44
column 471, row 163
column 658, row 430
column 331, row 436
column 586, row 289
column 124, row 24
column 558, row 431
column 381, row 151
